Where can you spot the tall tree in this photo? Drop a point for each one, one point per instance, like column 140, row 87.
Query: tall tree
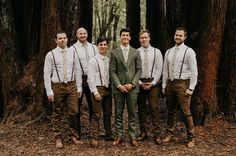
column 227, row 71
column 86, row 16
column 10, row 60
column 133, row 21
column 209, row 48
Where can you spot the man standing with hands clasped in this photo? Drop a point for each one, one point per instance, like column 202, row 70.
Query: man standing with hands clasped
column 152, row 62
column 63, row 83
column 125, row 69
column 179, row 80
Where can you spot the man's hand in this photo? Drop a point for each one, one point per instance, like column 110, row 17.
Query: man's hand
column 128, row 87
column 163, row 91
column 98, row 97
column 51, row 98
column 122, row 89
column 79, row 94
column 188, row 92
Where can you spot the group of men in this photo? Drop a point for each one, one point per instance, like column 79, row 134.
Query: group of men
column 131, row 75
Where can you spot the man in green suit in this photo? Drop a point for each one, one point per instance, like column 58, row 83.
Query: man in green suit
column 125, row 68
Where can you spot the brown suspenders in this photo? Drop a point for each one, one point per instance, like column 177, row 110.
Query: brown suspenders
column 99, row 71
column 57, row 69
column 181, row 69
column 79, row 59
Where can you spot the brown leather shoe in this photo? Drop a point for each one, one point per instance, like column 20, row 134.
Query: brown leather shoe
column 167, row 139
column 109, row 137
column 94, row 143
column 117, row 142
column 191, row 143
column 142, row 136
column 134, row 142
column 58, row 143
column 158, row 141
column 75, row 140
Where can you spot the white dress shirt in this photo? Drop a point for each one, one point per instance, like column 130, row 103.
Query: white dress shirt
column 50, row 73
column 189, row 70
column 158, row 64
column 92, row 51
column 93, row 72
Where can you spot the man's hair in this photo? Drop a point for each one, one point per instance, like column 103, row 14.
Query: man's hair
column 125, row 30
column 182, row 29
column 60, row 32
column 144, row 31
column 101, row 39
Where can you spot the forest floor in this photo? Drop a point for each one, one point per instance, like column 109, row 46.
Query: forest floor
column 217, row 138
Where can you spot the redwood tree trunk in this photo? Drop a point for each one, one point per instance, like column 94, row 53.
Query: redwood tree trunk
column 25, row 98
column 86, row 16
column 227, row 70
column 209, row 48
column 133, row 21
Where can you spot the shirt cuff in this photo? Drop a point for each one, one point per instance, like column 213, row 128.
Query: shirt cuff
column 163, row 85
column 50, row 92
column 95, row 92
column 154, row 83
column 119, row 86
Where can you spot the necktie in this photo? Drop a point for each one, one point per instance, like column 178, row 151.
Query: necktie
column 145, row 63
column 86, row 52
column 125, row 53
column 64, row 66
column 172, row 64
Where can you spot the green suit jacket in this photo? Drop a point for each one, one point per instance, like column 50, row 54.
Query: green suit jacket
column 125, row 73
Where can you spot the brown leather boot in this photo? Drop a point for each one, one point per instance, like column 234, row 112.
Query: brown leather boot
column 75, row 140
column 167, row 139
column 134, row 142
column 58, row 143
column 191, row 143
column 142, row 136
column 94, row 143
column 158, row 140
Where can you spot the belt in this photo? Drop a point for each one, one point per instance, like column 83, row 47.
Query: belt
column 67, row 83
column 84, row 77
column 146, row 79
column 179, row 80
column 101, row 87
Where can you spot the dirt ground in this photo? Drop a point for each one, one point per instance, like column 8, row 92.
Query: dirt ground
column 217, row 138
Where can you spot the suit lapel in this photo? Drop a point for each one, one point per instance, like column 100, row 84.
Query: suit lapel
column 129, row 56
column 121, row 56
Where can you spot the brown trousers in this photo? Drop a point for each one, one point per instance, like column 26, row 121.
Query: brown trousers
column 175, row 96
column 65, row 107
column 149, row 113
column 106, row 105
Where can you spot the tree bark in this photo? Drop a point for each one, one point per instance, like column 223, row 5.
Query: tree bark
column 10, row 60
column 227, row 72
column 133, row 21
column 209, row 48
column 86, row 16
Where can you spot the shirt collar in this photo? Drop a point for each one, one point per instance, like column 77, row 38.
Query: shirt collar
column 60, row 49
column 101, row 56
column 81, row 44
column 148, row 48
column 122, row 47
column 180, row 46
